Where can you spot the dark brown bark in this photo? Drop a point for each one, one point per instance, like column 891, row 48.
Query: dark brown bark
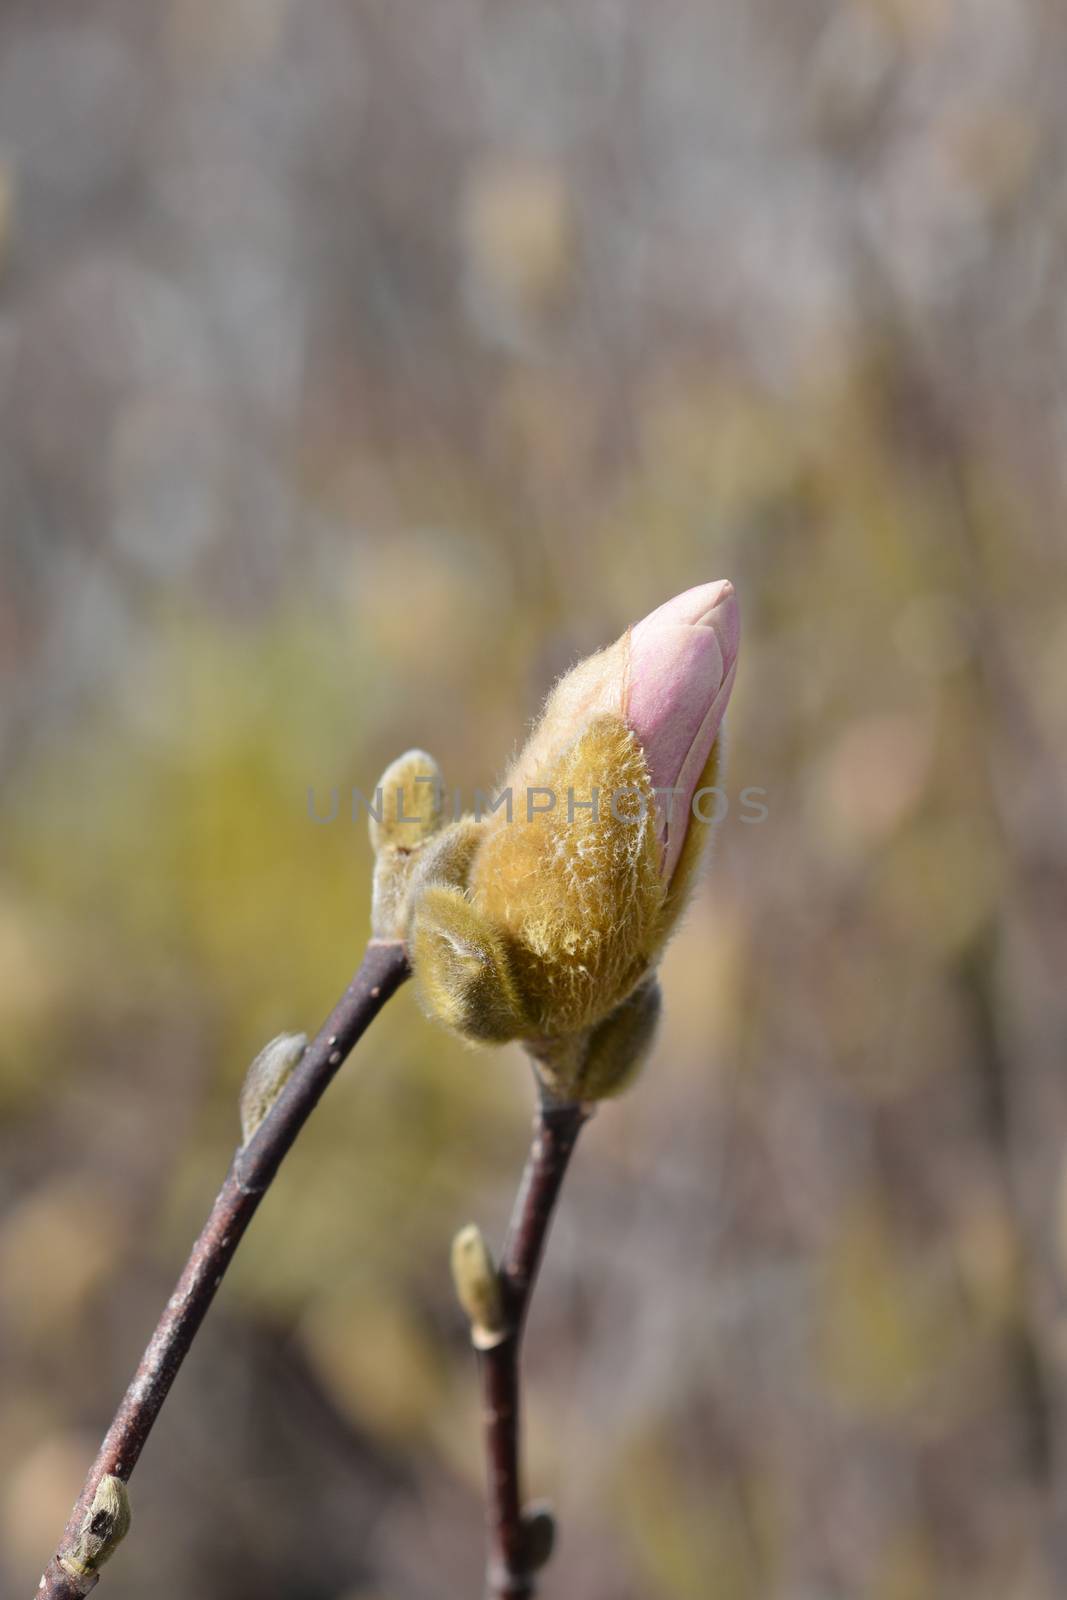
column 556, row 1129
column 382, row 971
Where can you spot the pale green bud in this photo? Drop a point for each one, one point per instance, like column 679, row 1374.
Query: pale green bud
column 412, row 812
column 267, row 1077
column 412, row 802
column 104, row 1526
column 478, row 1287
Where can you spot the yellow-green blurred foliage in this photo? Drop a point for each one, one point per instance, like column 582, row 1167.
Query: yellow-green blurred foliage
column 358, row 372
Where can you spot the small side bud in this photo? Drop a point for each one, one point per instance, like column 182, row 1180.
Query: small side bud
column 603, row 1060
column 463, row 973
column 538, row 1536
column 446, row 859
column 412, row 802
column 478, row 1287
column 619, row 1046
column 411, row 808
column 104, row 1526
column 267, row 1077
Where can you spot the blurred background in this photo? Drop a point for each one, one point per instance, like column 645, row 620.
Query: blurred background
column 361, row 365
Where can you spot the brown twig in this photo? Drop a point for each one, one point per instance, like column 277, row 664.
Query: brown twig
column 381, row 972
column 510, row 1573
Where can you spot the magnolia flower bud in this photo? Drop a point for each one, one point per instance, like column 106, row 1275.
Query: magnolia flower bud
column 668, row 679
column 683, row 658
column 558, row 907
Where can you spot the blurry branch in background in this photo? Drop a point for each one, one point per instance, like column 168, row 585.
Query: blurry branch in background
column 497, row 1303
column 282, row 1088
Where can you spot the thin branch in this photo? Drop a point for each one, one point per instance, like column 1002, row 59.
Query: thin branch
column 381, row 972
column 510, row 1574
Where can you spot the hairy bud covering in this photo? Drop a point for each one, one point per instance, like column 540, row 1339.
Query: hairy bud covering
column 544, row 920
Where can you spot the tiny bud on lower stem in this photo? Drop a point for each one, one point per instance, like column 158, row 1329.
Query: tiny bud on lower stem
column 538, row 1536
column 104, row 1526
column 478, row 1286
column 267, row 1077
